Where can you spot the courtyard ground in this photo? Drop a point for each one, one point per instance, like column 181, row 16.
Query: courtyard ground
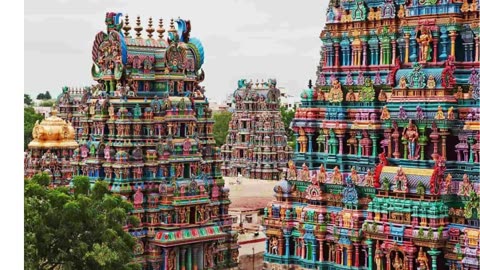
column 250, row 193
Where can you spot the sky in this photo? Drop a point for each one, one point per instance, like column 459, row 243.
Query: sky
column 242, row 39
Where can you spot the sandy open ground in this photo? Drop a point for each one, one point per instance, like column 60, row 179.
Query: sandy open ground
column 251, row 193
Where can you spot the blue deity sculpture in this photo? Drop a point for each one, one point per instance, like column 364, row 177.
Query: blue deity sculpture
column 416, row 78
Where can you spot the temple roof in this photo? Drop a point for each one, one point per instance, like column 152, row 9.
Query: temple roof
column 53, row 132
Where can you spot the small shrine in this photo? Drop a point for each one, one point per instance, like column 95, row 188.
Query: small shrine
column 256, row 144
column 51, row 150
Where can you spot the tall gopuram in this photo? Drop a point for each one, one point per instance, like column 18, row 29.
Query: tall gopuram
column 256, row 144
column 146, row 129
column 51, row 150
column 385, row 173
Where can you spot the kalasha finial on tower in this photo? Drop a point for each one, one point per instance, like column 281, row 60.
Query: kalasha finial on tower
column 160, row 29
column 310, row 85
column 127, row 26
column 172, row 26
column 138, row 28
column 150, row 29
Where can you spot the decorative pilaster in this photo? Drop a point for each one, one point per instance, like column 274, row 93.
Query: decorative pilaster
column 434, row 253
column 296, row 142
column 435, row 48
column 194, row 259
column 470, row 141
column 394, row 52
column 337, row 54
column 364, row 53
column 453, row 36
column 374, row 138
column 189, row 258
column 314, row 251
column 477, row 56
column 407, row 48
column 357, row 254
column 340, row 144
column 443, row 43
column 310, row 146
column 349, row 255
column 320, row 255
column 413, row 44
column 370, row 253
column 183, row 250
column 359, row 137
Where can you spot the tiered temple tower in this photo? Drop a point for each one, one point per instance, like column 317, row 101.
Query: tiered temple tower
column 386, row 164
column 146, row 128
column 256, row 144
column 51, row 150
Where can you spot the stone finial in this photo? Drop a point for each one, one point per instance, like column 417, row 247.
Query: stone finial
column 138, row 28
column 127, row 27
column 172, row 26
column 160, row 29
column 150, row 29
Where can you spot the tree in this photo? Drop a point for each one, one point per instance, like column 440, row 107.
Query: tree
column 287, row 117
column 220, row 128
column 29, row 119
column 41, row 96
column 47, row 95
column 27, row 100
column 82, row 229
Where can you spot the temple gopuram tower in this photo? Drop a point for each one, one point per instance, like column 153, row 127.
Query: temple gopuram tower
column 256, row 144
column 385, row 173
column 51, row 150
column 146, row 129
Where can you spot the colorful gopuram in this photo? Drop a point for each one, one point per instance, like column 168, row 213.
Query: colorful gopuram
column 385, row 173
column 51, row 150
column 256, row 144
column 146, row 129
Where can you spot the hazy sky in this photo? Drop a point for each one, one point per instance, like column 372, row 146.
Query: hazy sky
column 242, row 39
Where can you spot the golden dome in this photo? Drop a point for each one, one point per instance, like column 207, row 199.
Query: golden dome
column 53, row 132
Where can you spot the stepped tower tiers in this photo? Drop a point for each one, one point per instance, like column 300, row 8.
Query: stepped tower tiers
column 50, row 150
column 146, row 128
column 256, row 144
column 397, row 82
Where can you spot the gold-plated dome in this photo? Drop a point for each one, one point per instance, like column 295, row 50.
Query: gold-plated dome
column 53, row 132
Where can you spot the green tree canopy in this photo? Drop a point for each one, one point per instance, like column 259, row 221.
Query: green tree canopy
column 47, row 95
column 82, row 229
column 29, row 119
column 41, row 96
column 220, row 128
column 287, row 117
column 27, row 100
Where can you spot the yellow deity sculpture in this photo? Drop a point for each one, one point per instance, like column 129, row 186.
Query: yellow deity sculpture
column 424, row 42
column 385, row 114
column 302, row 140
column 439, row 115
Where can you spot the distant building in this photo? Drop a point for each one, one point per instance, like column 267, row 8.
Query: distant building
column 45, row 111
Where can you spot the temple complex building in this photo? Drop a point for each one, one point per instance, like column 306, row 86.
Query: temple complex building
column 256, row 144
column 385, row 173
column 51, row 150
column 146, row 128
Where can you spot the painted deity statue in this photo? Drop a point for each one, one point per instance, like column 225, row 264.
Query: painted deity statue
column 420, row 115
column 336, row 94
column 465, row 187
column 450, row 114
column 447, row 185
column 322, row 174
column 431, row 82
column 402, row 84
column 304, row 174
column 422, row 260
column 337, row 176
column 402, row 114
column 354, row 176
column 439, row 115
column 410, row 133
column 385, row 114
column 378, row 257
column 292, row 171
column 400, row 181
column 424, row 41
column 382, row 96
column 302, row 140
column 369, row 179
column 397, row 262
